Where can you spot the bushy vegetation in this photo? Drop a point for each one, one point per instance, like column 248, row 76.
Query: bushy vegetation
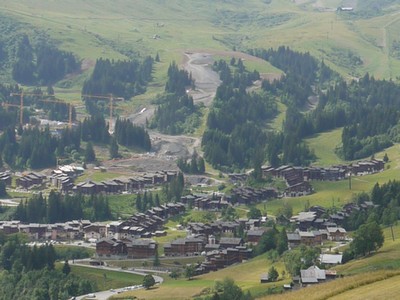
column 195, row 165
column 29, row 273
column 128, row 134
column 61, row 208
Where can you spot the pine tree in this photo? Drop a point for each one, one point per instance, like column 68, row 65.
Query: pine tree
column 273, row 274
column 139, row 204
column 114, row 148
column 201, row 165
column 156, row 261
column 66, row 268
column 90, row 156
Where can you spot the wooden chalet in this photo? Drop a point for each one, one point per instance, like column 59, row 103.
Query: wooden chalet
column 185, row 247
column 141, row 248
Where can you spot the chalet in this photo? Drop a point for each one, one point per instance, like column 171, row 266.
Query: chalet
column 94, row 231
column 304, row 220
column 222, row 258
column 113, row 229
column 112, row 187
column 30, row 179
column 336, row 234
column 110, row 247
column 185, row 247
column 87, row 188
column 294, row 239
column 141, row 248
column 34, row 231
column 309, row 238
column 312, row 275
column 330, row 259
column 299, row 189
column 230, row 242
column 254, row 236
column 264, row 278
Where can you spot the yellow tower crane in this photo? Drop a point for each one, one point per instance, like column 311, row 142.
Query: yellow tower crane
column 59, row 101
column 21, row 105
column 111, row 98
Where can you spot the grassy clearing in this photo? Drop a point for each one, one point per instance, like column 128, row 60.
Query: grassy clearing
column 324, row 145
column 106, row 279
column 97, row 176
column 122, row 205
column 277, row 122
column 246, row 275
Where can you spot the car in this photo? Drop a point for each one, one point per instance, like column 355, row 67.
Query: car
column 91, row 296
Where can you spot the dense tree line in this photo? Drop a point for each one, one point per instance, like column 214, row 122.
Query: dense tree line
column 195, row 165
column 57, row 111
column 235, row 123
column 38, row 148
column 178, row 80
column 119, row 78
column 301, row 71
column 61, row 208
column 130, row 135
column 176, row 112
column 273, row 239
column 43, row 64
column 29, row 273
column 386, row 197
column 171, row 191
column 95, row 129
column 367, row 108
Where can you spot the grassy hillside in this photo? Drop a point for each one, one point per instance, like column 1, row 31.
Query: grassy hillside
column 106, row 279
column 119, row 29
column 246, row 275
column 374, row 277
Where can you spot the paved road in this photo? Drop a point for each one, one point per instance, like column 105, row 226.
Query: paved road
column 104, row 295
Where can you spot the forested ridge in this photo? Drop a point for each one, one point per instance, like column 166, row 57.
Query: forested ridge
column 367, row 108
column 234, row 133
column 176, row 112
column 120, row 78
